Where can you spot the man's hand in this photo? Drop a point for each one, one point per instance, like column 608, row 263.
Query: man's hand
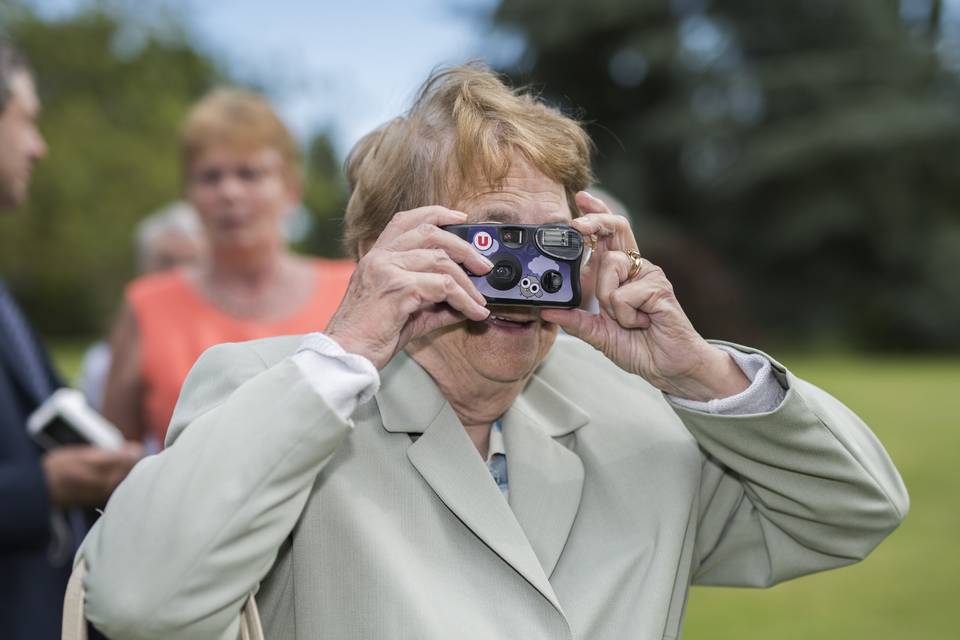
column 409, row 284
column 85, row 476
column 641, row 326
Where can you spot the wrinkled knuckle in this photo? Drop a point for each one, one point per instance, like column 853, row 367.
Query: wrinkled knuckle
column 374, row 268
column 662, row 281
column 464, row 249
column 390, row 283
column 364, row 263
column 661, row 294
column 411, row 294
column 426, row 229
column 373, row 258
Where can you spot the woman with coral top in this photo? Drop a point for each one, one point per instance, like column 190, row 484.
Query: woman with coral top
column 242, row 174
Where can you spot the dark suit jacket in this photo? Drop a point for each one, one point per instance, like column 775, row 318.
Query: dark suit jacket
column 31, row 587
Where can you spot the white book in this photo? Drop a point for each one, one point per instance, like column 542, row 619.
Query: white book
column 65, row 418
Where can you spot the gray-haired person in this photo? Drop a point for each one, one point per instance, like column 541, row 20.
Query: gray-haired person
column 166, row 239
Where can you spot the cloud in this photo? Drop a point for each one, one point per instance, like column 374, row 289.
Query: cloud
column 542, row 263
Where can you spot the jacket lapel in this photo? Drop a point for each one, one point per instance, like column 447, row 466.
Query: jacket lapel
column 450, row 464
column 8, row 361
column 11, row 355
column 546, row 478
column 446, row 458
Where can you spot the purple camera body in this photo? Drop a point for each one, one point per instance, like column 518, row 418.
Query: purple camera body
column 533, row 265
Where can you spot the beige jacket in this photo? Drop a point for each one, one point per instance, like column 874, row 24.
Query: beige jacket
column 394, row 528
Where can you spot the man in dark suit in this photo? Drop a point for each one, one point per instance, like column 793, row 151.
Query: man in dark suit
column 41, row 494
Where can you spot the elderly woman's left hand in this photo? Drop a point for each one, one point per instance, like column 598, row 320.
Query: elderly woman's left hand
column 641, row 326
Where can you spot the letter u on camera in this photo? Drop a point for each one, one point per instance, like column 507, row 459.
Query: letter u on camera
column 533, row 265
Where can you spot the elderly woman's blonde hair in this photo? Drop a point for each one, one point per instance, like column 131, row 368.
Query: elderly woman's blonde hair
column 240, row 120
column 461, row 133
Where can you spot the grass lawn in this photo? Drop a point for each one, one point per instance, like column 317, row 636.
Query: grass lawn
column 68, row 357
column 903, row 589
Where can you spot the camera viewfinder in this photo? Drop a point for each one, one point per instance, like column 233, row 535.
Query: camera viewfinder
column 512, row 237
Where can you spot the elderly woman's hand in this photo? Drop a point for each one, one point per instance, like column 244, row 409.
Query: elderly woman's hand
column 409, row 284
column 641, row 326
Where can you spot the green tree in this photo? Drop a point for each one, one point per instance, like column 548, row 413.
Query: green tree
column 325, row 197
column 807, row 148
column 110, row 119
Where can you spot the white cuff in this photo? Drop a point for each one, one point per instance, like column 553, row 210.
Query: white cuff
column 765, row 394
column 344, row 380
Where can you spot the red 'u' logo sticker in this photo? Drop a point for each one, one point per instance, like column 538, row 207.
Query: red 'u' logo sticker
column 482, row 240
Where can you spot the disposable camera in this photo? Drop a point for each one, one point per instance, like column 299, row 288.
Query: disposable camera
column 533, row 265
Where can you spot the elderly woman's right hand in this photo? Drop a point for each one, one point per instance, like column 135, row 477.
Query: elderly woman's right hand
column 409, row 284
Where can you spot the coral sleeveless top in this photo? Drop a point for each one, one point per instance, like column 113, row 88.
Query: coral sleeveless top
column 176, row 324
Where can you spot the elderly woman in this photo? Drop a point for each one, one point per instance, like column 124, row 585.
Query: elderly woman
column 242, row 176
column 341, row 476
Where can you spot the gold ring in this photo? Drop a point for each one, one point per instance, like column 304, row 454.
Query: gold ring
column 637, row 263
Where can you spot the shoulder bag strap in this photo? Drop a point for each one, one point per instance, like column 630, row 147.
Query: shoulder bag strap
column 75, row 622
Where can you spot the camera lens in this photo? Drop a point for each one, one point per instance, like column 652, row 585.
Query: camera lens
column 506, row 271
column 551, row 281
column 503, row 276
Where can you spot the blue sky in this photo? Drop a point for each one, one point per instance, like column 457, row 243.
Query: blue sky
column 346, row 66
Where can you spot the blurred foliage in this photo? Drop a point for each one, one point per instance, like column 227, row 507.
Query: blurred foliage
column 789, row 162
column 112, row 105
column 325, row 198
